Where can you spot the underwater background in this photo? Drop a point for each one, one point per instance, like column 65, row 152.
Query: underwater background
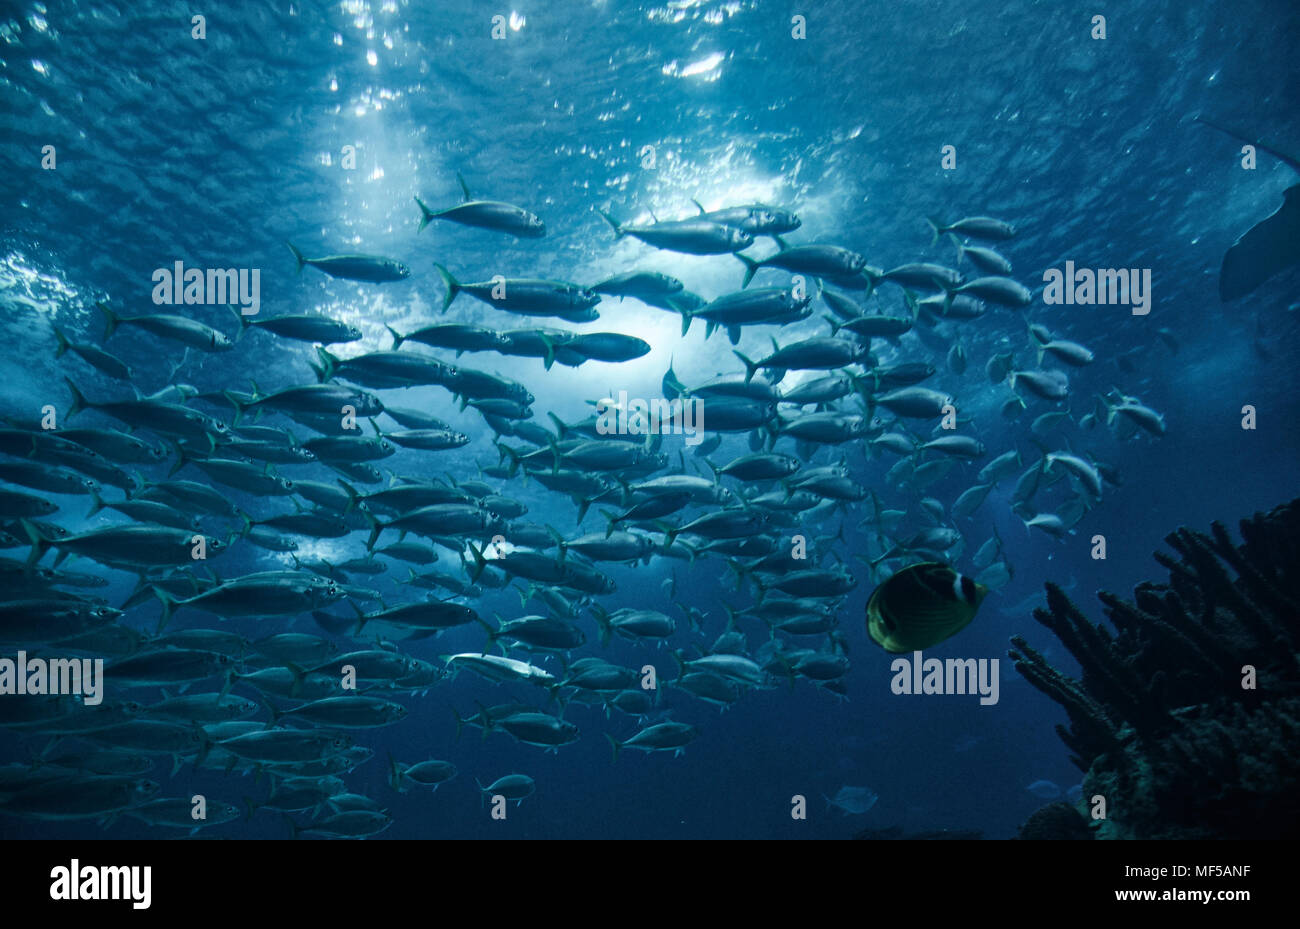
column 214, row 152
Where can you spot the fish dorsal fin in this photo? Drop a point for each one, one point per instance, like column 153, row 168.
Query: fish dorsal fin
column 464, row 188
column 1292, row 163
column 698, row 206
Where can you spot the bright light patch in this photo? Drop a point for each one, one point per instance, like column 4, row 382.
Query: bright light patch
column 517, row 21
column 371, row 58
column 732, row 191
column 25, row 285
column 703, row 66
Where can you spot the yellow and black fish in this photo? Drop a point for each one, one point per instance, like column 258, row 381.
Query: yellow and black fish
column 922, row 605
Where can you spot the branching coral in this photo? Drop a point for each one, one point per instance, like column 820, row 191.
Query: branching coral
column 1173, row 730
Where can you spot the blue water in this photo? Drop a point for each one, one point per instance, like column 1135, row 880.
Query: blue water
column 214, row 152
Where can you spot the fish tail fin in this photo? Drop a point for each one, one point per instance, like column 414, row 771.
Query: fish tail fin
column 394, row 773
column 688, row 317
column 484, row 720
column 835, row 323
column 426, row 215
column 329, row 363
column 398, row 338
column 751, row 367
column 452, row 285
column 111, row 319
column 1110, row 408
column 492, row 634
column 271, row 709
column 464, row 188
column 297, row 255
column 238, row 404
column 299, row 676
column 168, row 607
column 602, row 620
column 480, row 563
column 751, row 268
column 913, row 306
column 615, row 745
column 508, row 452
column 40, row 544
column 681, row 663
column 561, row 427
column 961, row 249
column 742, row 574
column 96, row 504
column 618, row 230
column 63, row 345
column 244, row 322
column 205, row 748
column 182, row 459
column 376, row 529
column 938, row 229
column 79, row 401
column 362, row 618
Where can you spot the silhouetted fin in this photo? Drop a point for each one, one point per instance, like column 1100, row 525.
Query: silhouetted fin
column 1286, row 159
column 1267, row 248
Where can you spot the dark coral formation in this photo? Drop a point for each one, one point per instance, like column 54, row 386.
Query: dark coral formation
column 1160, row 721
column 1056, row 821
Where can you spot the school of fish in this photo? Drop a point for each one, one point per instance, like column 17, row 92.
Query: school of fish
column 847, row 432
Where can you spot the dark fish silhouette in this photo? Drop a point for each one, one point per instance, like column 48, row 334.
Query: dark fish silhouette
column 1270, row 246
